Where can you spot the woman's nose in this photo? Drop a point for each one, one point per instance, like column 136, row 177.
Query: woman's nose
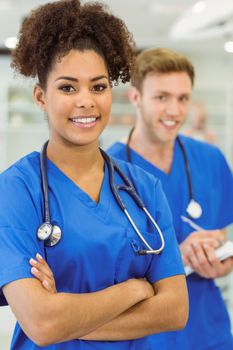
column 85, row 100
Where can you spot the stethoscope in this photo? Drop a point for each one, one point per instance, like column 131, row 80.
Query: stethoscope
column 51, row 234
column 193, row 209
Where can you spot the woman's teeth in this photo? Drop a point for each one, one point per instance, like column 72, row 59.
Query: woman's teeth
column 84, row 120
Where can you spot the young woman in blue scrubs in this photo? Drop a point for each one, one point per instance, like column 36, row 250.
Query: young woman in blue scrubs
column 161, row 88
column 108, row 296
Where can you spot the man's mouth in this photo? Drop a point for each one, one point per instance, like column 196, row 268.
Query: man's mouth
column 169, row 123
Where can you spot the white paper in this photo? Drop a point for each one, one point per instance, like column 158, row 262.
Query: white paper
column 223, row 252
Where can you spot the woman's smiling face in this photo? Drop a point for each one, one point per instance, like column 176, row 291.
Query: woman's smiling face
column 77, row 98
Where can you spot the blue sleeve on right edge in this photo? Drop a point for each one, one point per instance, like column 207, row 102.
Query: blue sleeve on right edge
column 225, row 187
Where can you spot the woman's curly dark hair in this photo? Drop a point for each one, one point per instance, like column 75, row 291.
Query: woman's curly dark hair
column 52, row 30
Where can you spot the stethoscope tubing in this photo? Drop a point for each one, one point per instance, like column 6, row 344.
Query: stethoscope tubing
column 187, row 168
column 127, row 186
column 151, row 250
column 44, row 183
column 186, row 162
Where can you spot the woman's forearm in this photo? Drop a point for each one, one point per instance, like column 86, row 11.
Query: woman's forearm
column 49, row 318
column 153, row 315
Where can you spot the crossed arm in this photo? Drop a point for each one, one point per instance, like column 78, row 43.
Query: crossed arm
column 128, row 310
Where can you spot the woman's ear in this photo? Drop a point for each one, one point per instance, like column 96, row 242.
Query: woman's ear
column 39, row 97
column 134, row 96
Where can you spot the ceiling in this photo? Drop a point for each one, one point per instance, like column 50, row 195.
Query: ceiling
column 149, row 21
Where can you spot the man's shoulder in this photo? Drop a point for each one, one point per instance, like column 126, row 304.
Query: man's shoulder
column 118, row 150
column 198, row 146
column 136, row 174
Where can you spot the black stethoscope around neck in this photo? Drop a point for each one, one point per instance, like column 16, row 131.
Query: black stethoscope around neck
column 51, row 234
column 194, row 209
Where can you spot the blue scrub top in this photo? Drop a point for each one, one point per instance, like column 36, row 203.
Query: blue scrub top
column 98, row 247
column 209, row 325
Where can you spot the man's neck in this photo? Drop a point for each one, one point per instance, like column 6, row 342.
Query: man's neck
column 158, row 153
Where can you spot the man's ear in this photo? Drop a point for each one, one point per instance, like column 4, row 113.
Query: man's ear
column 39, row 97
column 134, row 96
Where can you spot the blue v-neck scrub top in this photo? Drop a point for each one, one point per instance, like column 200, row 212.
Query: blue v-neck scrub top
column 208, row 325
column 98, row 248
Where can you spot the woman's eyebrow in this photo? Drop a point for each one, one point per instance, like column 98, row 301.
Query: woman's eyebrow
column 77, row 80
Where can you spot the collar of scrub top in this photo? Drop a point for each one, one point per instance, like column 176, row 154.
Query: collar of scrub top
column 51, row 234
column 193, row 209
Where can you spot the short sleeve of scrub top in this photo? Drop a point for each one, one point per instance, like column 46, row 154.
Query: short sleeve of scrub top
column 18, row 219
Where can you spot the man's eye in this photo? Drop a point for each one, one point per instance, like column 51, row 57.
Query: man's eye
column 66, row 88
column 160, row 97
column 184, row 98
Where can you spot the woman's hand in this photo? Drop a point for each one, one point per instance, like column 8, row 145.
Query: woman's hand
column 41, row 270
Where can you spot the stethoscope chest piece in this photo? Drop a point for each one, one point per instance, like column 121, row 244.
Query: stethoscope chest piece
column 44, row 231
column 194, row 209
column 50, row 234
column 55, row 236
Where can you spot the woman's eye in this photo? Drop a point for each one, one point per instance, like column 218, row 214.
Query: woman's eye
column 99, row 87
column 66, row 88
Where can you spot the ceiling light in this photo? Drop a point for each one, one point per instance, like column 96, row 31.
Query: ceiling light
column 228, row 46
column 11, row 42
column 211, row 21
column 199, row 7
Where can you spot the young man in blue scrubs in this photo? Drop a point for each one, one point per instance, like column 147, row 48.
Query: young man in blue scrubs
column 199, row 186
column 109, row 296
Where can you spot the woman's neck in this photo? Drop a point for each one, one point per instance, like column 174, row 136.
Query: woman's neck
column 84, row 165
column 74, row 157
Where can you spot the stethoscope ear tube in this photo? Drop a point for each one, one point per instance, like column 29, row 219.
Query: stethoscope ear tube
column 47, row 232
column 44, row 183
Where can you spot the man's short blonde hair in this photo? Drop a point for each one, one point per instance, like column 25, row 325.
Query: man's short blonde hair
column 160, row 61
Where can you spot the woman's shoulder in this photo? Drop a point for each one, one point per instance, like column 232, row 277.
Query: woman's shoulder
column 20, row 190
column 25, row 170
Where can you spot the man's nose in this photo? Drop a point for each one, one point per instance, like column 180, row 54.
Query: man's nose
column 173, row 107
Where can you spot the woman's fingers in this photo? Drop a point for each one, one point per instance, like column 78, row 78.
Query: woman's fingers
column 41, row 270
